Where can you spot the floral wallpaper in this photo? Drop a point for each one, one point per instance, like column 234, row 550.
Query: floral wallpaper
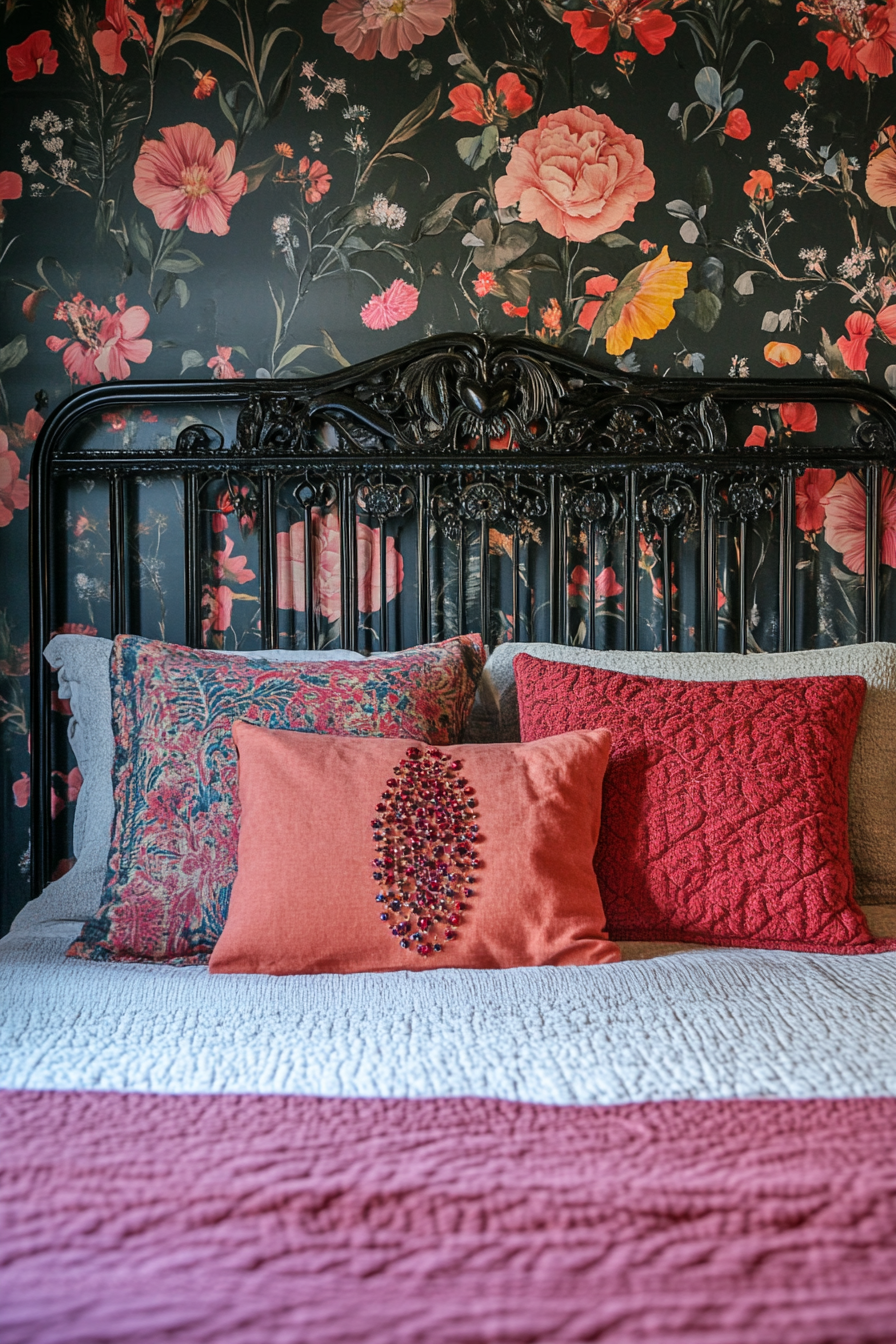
column 227, row 188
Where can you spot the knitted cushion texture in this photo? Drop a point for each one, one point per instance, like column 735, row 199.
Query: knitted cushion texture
column 725, row 803
column 173, row 855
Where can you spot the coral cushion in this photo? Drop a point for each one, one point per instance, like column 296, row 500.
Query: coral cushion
column 174, row 838
column 726, row 803
column 488, row 852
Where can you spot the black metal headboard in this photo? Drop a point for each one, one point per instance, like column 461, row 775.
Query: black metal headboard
column 530, row 495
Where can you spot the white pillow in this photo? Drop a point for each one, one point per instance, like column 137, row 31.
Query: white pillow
column 83, row 665
column 872, row 781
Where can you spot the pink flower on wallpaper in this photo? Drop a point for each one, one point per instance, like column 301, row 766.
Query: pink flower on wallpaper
column 217, row 609
column 10, row 190
column 844, row 525
column 222, row 365
column 365, row 27
column 226, row 565
column 800, row 417
column 811, row 489
column 14, row 493
column 394, row 305
column 315, row 179
column 577, row 175
column 182, row 180
column 854, row 347
column 21, row 790
column 605, row 585
column 66, row 791
column 120, row 24
column 32, row 57
column 105, row 344
column 326, row 549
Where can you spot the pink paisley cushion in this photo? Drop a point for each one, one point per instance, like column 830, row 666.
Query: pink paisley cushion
column 410, row 858
column 174, row 838
column 725, row 803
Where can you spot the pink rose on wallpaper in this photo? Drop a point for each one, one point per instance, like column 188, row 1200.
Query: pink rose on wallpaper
column 365, row 27
column 394, row 305
column 326, row 547
column 105, row 344
column 14, row 493
column 120, row 24
column 844, row 525
column 811, row 488
column 182, row 180
column 32, row 57
column 577, row 175
column 10, row 190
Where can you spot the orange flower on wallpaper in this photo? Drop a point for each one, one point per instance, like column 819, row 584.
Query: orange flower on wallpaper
column 880, row 177
column 758, row 185
column 387, row 27
column 120, row 24
column 781, row 353
column 854, row 346
column 577, row 174
column 641, row 304
column 205, row 84
column 182, row 180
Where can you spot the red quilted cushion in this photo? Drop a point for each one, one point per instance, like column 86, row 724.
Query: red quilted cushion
column 725, row 803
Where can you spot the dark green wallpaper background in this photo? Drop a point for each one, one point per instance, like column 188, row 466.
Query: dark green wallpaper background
column 230, row 188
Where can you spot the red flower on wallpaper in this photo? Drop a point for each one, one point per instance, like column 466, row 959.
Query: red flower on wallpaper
column 34, row 56
column 854, row 346
column 205, row 84
column 864, row 38
column 102, row 344
column 182, row 180
column 800, row 417
column 605, row 585
column 758, row 185
column 14, row 493
column 737, row 125
column 796, row 78
column 368, row 27
column 642, row 19
column 600, row 285
column 844, row 526
column 120, row 24
column 577, row 174
column 811, row 488
column 394, row 305
column 10, row 190
column 482, row 107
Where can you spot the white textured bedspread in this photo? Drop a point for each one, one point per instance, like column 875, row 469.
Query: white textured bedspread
column 704, row 1024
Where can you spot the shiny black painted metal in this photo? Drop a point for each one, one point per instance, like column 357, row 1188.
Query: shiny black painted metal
column 430, row 412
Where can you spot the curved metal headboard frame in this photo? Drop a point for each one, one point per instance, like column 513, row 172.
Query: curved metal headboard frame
column 440, row 406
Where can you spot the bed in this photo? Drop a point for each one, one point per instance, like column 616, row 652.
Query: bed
column 692, row 1143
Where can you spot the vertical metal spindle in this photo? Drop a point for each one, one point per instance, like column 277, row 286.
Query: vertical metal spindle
column 515, row 566
column 423, row 621
column 872, row 551
column 633, row 570
column 709, row 582
column 461, row 579
column 348, row 634
column 384, row 615
column 667, row 592
column 192, row 562
column 742, row 586
column 786, row 526
column 41, row 516
column 484, row 584
column 592, row 584
column 118, row 559
column 556, row 561
column 308, row 563
column 267, row 559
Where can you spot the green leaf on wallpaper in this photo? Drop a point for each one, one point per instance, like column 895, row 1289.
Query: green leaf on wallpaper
column 541, row 261
column 182, row 290
column 703, row 188
column 141, row 239
column 333, row 350
column 437, row 220
column 291, row 356
column 257, row 172
column 616, row 240
column 708, row 87
column 191, row 359
column 13, row 353
column 512, row 242
column 164, row 294
column 192, row 14
column 476, row 150
column 226, row 109
column 411, row 124
column 515, row 284
column 267, row 44
column 701, row 307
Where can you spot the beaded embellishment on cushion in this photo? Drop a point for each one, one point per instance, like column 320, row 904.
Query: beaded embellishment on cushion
column 424, row 835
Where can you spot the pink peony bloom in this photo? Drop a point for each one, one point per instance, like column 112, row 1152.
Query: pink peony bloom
column 811, row 488
column 854, row 347
column 120, row 24
column 14, row 494
column 365, row 27
column 326, row 549
column 394, row 305
column 577, row 174
column 11, row 190
column 844, row 526
column 182, row 180
column 105, row 341
column 32, row 57
column 222, row 365
column 226, row 565
column 369, row 569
